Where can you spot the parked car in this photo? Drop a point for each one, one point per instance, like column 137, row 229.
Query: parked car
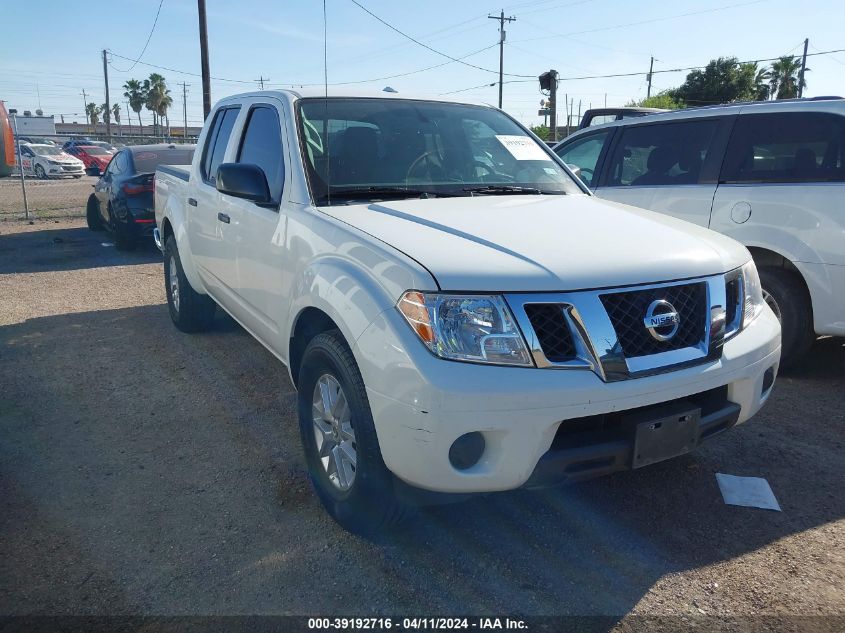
column 770, row 174
column 122, row 201
column 456, row 325
column 49, row 161
column 77, row 142
column 96, row 159
column 35, row 140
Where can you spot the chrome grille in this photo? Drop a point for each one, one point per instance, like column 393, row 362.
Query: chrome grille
column 627, row 309
column 552, row 331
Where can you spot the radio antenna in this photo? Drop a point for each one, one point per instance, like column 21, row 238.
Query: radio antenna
column 326, row 107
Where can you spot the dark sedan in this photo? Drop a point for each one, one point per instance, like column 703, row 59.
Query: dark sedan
column 122, row 201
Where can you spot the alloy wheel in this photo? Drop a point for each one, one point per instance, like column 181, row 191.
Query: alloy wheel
column 174, row 282
column 333, row 432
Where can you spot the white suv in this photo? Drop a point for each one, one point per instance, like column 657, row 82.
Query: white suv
column 458, row 313
column 769, row 174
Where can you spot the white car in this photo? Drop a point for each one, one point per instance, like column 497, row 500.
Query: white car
column 49, row 161
column 456, row 325
column 769, row 174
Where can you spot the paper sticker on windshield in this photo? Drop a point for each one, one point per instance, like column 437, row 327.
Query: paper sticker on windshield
column 522, row 147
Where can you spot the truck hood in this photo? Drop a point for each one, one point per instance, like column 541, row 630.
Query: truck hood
column 542, row 243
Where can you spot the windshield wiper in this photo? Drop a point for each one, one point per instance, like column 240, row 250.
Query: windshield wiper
column 364, row 193
column 493, row 190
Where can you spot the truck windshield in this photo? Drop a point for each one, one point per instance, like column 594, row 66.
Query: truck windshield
column 359, row 149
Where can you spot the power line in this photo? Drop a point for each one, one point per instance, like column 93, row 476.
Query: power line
column 426, row 46
column 147, row 43
column 174, row 70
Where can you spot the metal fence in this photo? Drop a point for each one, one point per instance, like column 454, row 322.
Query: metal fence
column 45, row 194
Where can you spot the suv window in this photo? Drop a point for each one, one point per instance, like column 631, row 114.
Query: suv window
column 584, row 154
column 786, row 147
column 662, row 154
column 262, row 146
column 218, row 139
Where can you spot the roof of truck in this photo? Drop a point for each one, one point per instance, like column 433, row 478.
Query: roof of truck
column 309, row 92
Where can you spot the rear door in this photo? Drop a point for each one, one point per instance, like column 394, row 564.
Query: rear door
column 212, row 242
column 671, row 167
column 260, row 231
column 782, row 186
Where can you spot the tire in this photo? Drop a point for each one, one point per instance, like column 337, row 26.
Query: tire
column 40, row 173
column 368, row 504
column 189, row 310
column 788, row 297
column 92, row 214
column 122, row 241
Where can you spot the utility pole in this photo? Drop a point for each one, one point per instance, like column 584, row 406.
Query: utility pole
column 185, row 109
column 85, row 109
column 566, row 107
column 502, row 19
column 803, row 67
column 650, row 69
column 107, row 113
column 206, row 73
column 260, row 81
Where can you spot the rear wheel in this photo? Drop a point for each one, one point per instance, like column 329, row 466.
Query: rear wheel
column 788, row 298
column 339, row 437
column 92, row 214
column 189, row 310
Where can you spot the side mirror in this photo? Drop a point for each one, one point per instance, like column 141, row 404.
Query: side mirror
column 243, row 180
column 574, row 169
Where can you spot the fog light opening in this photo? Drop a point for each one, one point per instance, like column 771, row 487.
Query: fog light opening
column 467, row 450
column 768, row 380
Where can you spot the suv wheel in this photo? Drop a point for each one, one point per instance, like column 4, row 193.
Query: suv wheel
column 339, row 437
column 786, row 295
column 189, row 310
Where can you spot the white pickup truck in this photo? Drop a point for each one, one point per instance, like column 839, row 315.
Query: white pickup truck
column 458, row 313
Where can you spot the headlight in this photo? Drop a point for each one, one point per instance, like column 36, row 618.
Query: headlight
column 753, row 293
column 54, row 162
column 470, row 328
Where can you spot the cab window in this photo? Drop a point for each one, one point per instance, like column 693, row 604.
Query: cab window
column 661, row 155
column 786, row 147
column 262, row 146
column 215, row 144
column 584, row 153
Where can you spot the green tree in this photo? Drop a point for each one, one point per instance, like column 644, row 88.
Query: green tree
column 106, row 112
column 137, row 97
column 542, row 131
column 723, row 80
column 663, row 100
column 92, row 110
column 783, row 77
column 115, row 110
column 157, row 96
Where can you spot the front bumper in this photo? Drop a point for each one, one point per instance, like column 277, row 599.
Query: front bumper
column 421, row 404
column 66, row 170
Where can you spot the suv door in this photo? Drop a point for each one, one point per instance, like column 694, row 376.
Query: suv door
column 260, row 229
column 586, row 152
column 671, row 167
column 208, row 225
column 782, row 188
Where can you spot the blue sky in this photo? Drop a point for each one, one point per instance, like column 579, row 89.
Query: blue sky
column 54, row 49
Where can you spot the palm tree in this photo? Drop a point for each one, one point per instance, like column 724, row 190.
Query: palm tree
column 164, row 103
column 106, row 112
column 156, row 89
column 783, row 78
column 137, row 97
column 92, row 110
column 761, row 84
column 115, row 110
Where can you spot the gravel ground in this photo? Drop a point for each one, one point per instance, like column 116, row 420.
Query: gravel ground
column 145, row 471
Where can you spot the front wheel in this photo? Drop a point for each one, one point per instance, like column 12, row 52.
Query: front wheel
column 189, row 310
column 788, row 298
column 339, row 438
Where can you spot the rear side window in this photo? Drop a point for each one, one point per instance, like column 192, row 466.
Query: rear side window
column 584, row 154
column 786, row 147
column 147, row 161
column 218, row 139
column 661, row 155
column 262, row 146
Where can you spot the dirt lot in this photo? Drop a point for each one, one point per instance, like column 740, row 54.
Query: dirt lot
column 147, row 471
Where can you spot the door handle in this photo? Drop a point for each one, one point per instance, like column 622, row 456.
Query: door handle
column 223, row 217
column 192, row 202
